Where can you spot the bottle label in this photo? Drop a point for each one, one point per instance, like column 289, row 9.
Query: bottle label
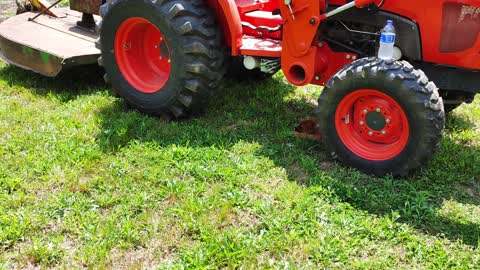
column 387, row 38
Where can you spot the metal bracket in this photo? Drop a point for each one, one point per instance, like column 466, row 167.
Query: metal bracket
column 44, row 10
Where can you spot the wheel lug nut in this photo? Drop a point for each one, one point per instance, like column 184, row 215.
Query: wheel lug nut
column 387, row 121
column 370, row 133
column 378, row 110
column 365, row 111
column 384, row 132
column 362, row 123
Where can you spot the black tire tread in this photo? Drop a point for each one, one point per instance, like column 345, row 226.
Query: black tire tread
column 205, row 61
column 426, row 97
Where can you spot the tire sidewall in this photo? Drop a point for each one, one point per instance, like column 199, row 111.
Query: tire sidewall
column 404, row 96
column 118, row 14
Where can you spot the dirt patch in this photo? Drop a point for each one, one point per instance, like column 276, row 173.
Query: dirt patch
column 8, row 8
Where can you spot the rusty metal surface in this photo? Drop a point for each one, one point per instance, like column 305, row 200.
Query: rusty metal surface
column 86, row 6
column 47, row 45
column 30, row 59
column 308, row 129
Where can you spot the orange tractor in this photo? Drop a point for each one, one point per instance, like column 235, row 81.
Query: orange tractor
column 164, row 56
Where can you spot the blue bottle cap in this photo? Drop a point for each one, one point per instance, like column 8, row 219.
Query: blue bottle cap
column 389, row 22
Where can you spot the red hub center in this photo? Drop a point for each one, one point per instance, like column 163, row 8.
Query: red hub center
column 372, row 125
column 142, row 55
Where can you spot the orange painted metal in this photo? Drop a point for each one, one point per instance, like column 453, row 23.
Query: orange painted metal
column 364, row 140
column 299, row 56
column 363, row 3
column 331, row 62
column 428, row 14
column 229, row 19
column 263, row 19
column 298, row 47
column 263, row 47
column 245, row 6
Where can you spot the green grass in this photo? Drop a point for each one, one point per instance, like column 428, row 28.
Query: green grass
column 86, row 183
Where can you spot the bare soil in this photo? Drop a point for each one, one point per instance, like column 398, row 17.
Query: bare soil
column 8, row 8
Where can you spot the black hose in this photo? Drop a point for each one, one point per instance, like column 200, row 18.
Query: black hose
column 338, row 43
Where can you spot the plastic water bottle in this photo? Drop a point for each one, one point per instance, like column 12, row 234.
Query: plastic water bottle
column 387, row 41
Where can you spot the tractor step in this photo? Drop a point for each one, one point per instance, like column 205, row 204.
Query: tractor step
column 263, row 47
column 47, row 45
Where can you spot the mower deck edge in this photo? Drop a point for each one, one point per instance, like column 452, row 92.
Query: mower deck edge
column 47, row 45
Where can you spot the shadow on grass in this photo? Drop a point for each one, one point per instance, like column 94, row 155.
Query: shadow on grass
column 260, row 113
column 263, row 113
column 67, row 86
column 456, row 122
column 237, row 111
column 423, row 199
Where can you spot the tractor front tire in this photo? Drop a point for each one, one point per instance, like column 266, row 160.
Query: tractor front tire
column 381, row 117
column 162, row 57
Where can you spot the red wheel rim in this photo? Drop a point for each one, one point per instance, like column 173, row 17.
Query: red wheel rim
column 372, row 125
column 142, row 55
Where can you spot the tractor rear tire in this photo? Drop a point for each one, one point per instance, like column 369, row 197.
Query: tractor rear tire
column 162, row 57
column 381, row 117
